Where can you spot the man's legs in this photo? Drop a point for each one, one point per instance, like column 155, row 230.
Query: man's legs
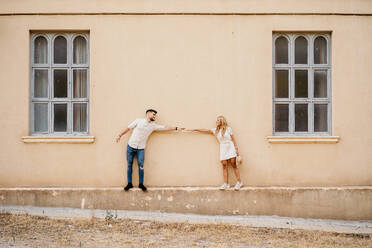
column 141, row 169
column 130, row 155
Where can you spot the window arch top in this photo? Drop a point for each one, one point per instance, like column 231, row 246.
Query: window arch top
column 320, row 50
column 301, row 47
column 60, row 50
column 80, row 50
column 281, row 50
column 40, row 50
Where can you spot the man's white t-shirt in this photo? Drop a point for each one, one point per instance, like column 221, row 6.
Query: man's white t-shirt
column 142, row 130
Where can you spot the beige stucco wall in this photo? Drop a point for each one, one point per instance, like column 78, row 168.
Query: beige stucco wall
column 187, row 6
column 190, row 68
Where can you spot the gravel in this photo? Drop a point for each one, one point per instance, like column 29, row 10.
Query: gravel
column 23, row 230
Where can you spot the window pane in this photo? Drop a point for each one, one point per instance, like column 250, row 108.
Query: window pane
column 80, row 83
column 320, row 118
column 301, row 84
column 80, row 50
column 301, row 117
column 281, row 84
column 301, row 50
column 41, row 50
column 281, row 51
column 320, row 50
column 60, row 50
column 281, row 117
column 320, row 83
column 41, row 83
column 41, row 117
column 60, row 83
column 80, row 117
column 60, row 117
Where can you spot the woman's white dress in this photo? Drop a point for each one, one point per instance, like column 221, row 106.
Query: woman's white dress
column 227, row 148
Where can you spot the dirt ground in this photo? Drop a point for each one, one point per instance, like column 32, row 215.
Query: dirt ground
column 33, row 231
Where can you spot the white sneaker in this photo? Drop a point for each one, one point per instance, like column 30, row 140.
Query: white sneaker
column 238, row 185
column 224, row 186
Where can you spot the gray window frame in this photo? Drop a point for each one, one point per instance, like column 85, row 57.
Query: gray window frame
column 50, row 66
column 310, row 67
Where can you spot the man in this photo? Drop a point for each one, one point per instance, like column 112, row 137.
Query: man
column 142, row 128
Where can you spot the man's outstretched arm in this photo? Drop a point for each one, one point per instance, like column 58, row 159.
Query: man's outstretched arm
column 168, row 128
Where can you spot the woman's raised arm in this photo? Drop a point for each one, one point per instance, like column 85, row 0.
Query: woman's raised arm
column 201, row 130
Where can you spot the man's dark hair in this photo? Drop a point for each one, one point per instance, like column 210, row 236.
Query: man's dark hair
column 151, row 110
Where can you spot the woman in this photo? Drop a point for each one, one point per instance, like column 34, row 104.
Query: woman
column 228, row 149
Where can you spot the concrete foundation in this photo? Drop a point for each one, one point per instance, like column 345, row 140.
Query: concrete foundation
column 343, row 203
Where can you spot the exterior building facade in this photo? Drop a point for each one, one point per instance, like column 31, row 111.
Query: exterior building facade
column 292, row 78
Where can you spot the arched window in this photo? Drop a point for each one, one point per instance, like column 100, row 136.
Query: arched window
column 301, row 50
column 80, row 50
column 281, row 50
column 41, row 50
column 59, row 84
column 320, row 50
column 301, row 84
column 60, row 50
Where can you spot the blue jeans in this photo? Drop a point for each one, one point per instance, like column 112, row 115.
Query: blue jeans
column 131, row 153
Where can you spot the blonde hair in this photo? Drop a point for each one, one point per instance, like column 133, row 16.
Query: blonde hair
column 223, row 126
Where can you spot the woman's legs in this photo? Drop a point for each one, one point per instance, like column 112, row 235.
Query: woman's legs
column 225, row 172
column 235, row 167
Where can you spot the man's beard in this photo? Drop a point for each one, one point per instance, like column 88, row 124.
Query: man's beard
column 152, row 119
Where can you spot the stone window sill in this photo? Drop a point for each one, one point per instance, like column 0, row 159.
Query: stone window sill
column 303, row 140
column 60, row 140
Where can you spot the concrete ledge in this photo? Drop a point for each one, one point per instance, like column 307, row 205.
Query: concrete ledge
column 343, row 203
